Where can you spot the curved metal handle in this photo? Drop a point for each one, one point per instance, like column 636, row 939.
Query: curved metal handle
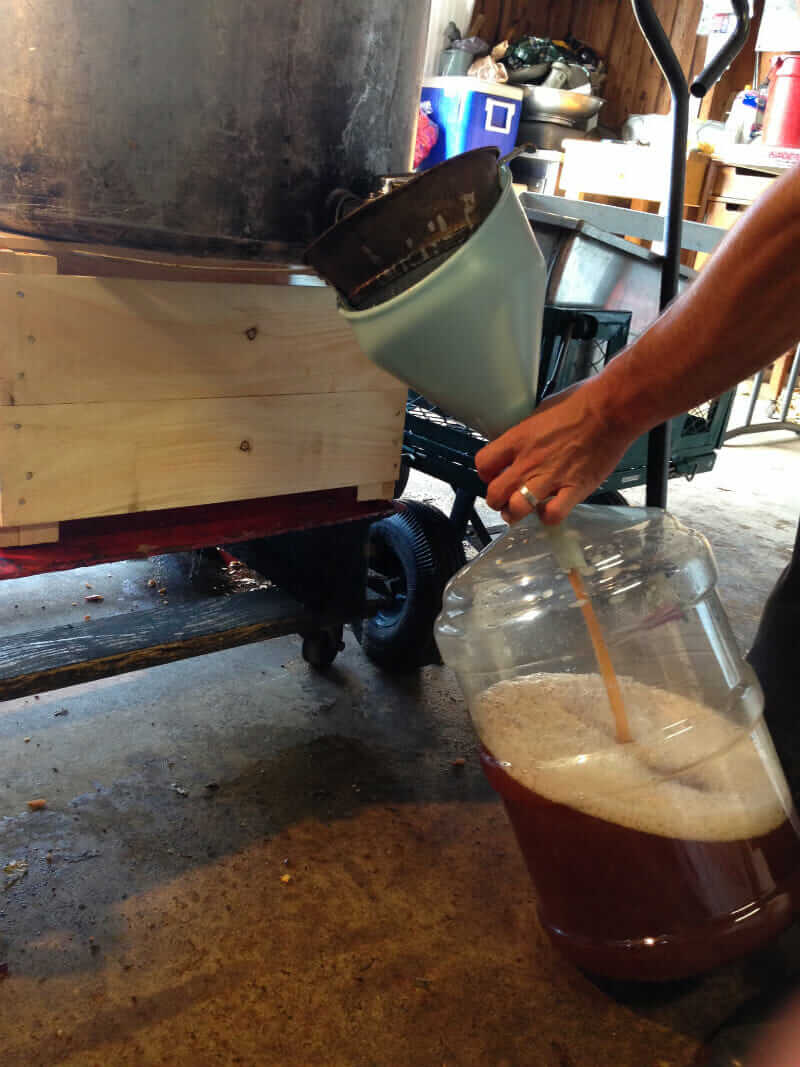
column 720, row 63
column 658, row 442
column 517, row 150
column 673, row 71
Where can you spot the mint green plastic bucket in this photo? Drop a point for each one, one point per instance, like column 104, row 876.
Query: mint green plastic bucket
column 467, row 336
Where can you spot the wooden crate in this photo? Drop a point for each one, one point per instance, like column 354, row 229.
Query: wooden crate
column 123, row 394
column 628, row 171
column 739, row 184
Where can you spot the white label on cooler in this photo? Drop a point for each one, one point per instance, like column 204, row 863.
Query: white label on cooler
column 491, row 126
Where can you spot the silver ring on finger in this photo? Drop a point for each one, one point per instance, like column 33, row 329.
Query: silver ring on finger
column 524, row 491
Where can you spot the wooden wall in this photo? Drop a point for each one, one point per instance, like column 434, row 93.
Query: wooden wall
column 635, row 84
column 740, row 73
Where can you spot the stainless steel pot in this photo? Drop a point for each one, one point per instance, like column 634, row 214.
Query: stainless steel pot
column 548, row 134
column 211, row 126
column 541, row 103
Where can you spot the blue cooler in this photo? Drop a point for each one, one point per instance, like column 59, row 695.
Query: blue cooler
column 470, row 113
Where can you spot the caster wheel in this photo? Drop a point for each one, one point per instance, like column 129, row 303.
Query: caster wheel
column 322, row 647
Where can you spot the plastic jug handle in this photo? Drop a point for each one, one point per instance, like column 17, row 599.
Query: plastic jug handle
column 566, row 547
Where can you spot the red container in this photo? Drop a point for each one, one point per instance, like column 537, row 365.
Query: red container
column 782, row 119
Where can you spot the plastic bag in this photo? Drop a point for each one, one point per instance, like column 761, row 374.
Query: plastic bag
column 476, row 46
column 485, row 69
column 427, row 137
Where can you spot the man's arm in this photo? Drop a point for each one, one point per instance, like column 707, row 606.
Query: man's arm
column 741, row 313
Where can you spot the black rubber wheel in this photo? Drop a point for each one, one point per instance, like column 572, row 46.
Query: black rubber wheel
column 413, row 555
column 322, row 647
column 609, row 497
column 402, row 478
column 444, row 541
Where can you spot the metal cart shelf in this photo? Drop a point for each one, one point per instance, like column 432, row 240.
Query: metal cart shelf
column 576, row 343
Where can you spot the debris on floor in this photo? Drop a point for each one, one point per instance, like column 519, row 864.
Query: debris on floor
column 14, row 871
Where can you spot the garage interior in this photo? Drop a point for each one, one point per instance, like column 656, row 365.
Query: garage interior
column 279, row 853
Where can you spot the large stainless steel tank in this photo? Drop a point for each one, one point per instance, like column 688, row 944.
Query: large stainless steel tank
column 200, row 125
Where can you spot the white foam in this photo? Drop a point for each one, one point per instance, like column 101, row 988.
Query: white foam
column 690, row 772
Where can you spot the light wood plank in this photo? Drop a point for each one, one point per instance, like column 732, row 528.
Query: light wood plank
column 72, row 340
column 65, row 461
column 17, row 536
column 740, row 184
column 26, row 263
column 779, row 375
column 375, row 491
column 609, row 168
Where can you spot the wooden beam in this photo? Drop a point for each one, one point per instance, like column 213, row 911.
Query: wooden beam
column 376, row 491
column 88, row 542
column 21, row 536
column 71, row 340
column 68, row 461
column 26, row 263
column 42, row 660
column 114, row 261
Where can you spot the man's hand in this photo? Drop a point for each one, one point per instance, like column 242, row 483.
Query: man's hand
column 739, row 315
column 561, row 453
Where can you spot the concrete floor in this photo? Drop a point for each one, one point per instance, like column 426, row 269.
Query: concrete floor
column 243, row 862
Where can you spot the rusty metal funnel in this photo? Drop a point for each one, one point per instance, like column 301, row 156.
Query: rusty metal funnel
column 392, row 242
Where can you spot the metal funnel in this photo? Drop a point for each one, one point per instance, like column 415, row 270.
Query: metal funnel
column 392, row 242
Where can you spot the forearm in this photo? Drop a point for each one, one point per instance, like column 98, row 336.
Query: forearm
column 741, row 313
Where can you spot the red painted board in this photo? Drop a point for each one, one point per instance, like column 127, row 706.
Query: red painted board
column 84, row 542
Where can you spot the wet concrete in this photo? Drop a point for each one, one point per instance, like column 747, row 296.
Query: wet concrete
column 244, row 862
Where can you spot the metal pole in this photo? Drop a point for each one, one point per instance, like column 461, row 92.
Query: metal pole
column 726, row 55
column 463, row 505
column 658, row 442
column 751, row 407
column 790, row 384
column 750, row 427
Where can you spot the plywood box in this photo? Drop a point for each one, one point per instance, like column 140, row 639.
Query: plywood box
column 629, row 171
column 123, row 394
column 613, row 169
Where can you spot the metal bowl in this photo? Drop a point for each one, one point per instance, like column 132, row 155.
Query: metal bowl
column 541, row 102
column 548, row 134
